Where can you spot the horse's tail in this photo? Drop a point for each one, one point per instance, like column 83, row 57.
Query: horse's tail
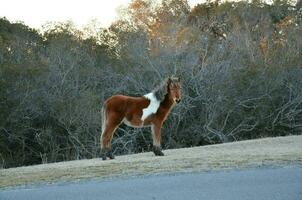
column 103, row 116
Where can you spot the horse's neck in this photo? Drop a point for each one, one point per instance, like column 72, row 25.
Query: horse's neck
column 167, row 102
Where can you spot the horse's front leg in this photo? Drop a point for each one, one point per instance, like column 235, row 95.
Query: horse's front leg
column 156, row 135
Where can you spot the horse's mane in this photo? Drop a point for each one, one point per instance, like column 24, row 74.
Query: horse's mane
column 161, row 90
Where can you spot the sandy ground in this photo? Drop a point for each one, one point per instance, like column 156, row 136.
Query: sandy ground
column 280, row 151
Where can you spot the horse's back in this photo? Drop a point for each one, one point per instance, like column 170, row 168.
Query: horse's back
column 116, row 98
column 125, row 104
column 116, row 103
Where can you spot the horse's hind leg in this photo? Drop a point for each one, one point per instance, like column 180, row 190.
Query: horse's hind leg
column 106, row 142
column 111, row 124
column 155, row 128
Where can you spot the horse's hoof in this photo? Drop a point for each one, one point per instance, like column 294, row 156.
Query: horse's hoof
column 157, row 151
column 104, row 157
column 107, row 154
column 110, row 155
column 104, row 154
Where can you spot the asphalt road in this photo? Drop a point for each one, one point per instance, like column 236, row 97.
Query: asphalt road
column 248, row 184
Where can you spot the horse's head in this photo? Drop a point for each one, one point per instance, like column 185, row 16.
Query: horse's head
column 174, row 88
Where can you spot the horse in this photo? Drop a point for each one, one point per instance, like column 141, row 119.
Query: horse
column 150, row 110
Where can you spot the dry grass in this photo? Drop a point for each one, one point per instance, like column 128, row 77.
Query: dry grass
column 253, row 153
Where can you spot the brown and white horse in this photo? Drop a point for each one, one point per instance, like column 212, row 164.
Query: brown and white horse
column 150, row 110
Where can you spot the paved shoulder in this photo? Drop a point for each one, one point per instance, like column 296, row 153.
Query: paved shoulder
column 248, row 184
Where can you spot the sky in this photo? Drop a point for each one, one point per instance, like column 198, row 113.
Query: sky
column 35, row 13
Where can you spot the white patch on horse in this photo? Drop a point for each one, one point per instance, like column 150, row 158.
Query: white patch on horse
column 153, row 106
